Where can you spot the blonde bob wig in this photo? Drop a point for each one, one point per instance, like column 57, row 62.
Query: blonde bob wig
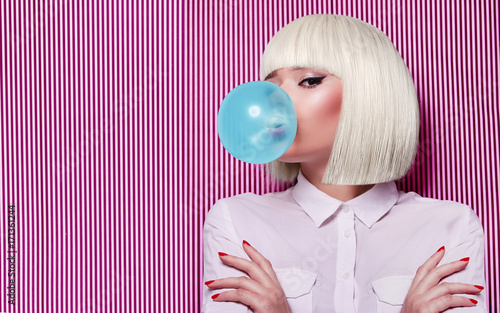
column 377, row 136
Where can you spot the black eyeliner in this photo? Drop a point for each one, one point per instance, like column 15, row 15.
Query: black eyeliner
column 316, row 81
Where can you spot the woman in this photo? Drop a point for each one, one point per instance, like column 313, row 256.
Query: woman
column 343, row 239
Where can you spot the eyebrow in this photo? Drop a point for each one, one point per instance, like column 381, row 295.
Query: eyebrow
column 273, row 73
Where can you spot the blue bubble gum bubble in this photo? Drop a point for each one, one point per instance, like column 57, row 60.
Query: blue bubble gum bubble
column 257, row 122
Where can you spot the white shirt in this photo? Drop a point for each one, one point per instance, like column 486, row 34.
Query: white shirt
column 334, row 256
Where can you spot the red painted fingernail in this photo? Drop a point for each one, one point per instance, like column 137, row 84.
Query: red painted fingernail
column 246, row 243
column 465, row 259
column 442, row 248
column 216, row 295
column 479, row 287
column 209, row 282
column 473, row 301
column 222, row 254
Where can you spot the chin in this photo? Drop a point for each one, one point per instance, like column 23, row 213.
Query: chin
column 290, row 158
column 313, row 155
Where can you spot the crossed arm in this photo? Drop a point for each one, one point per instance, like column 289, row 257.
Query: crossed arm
column 263, row 293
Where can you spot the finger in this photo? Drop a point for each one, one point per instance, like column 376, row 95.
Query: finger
column 236, row 282
column 258, row 258
column 436, row 274
column 239, row 295
column 448, row 301
column 451, row 289
column 251, row 268
column 425, row 268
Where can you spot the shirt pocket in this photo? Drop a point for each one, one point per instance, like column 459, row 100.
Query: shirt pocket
column 391, row 292
column 297, row 285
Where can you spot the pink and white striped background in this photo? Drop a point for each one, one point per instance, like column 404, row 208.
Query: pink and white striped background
column 110, row 152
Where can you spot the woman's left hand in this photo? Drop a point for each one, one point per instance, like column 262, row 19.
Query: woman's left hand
column 262, row 291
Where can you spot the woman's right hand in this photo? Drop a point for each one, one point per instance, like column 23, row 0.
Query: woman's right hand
column 261, row 292
column 428, row 295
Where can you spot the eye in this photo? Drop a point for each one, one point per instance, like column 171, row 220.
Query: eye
column 311, row 81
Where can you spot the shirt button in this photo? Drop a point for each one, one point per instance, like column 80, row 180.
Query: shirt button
column 369, row 289
column 319, row 279
column 346, row 209
column 347, row 276
column 347, row 233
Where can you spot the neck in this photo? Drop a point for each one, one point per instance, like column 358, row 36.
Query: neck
column 344, row 193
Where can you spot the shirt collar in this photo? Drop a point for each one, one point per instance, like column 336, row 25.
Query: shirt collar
column 368, row 207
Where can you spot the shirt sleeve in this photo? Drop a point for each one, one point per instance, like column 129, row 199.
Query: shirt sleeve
column 219, row 236
column 469, row 244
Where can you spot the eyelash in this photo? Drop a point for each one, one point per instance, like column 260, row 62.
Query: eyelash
column 315, row 80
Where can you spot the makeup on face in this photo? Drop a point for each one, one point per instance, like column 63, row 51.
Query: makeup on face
column 317, row 98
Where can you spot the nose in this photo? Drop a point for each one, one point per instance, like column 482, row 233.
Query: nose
column 288, row 89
